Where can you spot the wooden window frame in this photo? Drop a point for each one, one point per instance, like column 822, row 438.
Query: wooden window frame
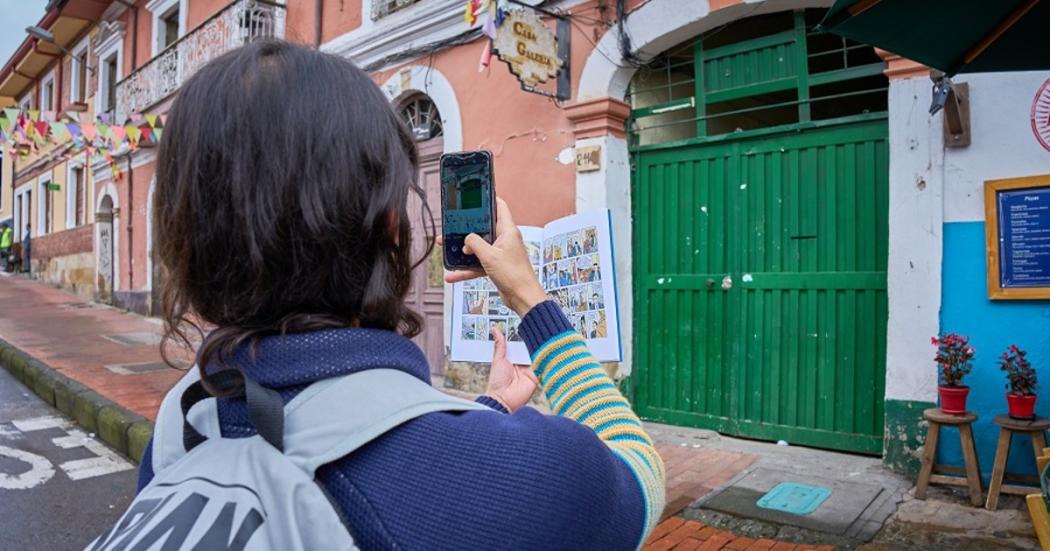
column 991, row 232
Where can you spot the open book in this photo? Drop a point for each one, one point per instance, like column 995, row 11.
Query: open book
column 573, row 259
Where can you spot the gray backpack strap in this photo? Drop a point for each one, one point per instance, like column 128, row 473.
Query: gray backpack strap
column 334, row 417
column 167, row 431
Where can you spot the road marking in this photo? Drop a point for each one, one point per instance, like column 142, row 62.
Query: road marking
column 41, row 470
column 41, row 423
column 106, row 462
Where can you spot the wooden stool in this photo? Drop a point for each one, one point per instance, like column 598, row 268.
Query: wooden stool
column 1007, row 428
column 928, row 474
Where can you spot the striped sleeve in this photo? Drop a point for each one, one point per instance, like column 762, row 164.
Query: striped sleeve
column 579, row 388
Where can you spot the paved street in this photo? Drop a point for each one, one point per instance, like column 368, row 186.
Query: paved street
column 59, row 486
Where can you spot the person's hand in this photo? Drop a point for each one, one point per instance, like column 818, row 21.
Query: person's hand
column 510, row 385
column 505, row 262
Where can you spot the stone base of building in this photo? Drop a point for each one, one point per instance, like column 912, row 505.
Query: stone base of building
column 905, row 435
column 139, row 302
column 466, row 376
column 65, row 259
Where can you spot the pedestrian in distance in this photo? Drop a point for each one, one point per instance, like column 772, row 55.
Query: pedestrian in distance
column 300, row 261
column 6, row 240
column 27, row 266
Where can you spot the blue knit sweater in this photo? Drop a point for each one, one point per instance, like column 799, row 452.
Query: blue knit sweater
column 480, row 479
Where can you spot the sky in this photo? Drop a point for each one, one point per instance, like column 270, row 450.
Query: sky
column 15, row 16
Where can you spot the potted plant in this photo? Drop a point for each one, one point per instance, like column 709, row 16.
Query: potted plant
column 1020, row 383
column 953, row 358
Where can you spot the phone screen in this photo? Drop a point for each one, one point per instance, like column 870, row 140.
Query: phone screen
column 467, row 203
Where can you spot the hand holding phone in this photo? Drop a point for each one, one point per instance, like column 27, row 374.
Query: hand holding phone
column 467, row 204
column 506, row 263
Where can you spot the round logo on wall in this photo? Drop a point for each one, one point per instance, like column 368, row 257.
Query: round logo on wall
column 1041, row 115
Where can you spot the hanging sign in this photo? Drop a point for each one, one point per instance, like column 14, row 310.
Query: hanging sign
column 1017, row 226
column 525, row 43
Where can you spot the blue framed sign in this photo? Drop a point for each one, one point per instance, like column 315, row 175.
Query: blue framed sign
column 1017, row 226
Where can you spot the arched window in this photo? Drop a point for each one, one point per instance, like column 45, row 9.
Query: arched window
column 422, row 117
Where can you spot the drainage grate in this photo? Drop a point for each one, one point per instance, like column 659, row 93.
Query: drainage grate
column 140, row 368
column 134, row 339
column 797, row 499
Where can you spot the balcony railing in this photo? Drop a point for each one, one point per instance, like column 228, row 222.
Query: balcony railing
column 239, row 23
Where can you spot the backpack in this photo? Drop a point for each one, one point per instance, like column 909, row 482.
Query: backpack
column 259, row 492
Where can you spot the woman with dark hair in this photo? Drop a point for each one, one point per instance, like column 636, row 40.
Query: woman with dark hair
column 295, row 175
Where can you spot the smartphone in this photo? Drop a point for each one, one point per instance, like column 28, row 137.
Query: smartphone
column 468, row 204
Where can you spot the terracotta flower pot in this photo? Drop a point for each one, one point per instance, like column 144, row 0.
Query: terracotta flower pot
column 1021, row 407
column 953, row 398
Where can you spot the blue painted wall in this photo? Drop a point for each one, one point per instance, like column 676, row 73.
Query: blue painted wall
column 992, row 326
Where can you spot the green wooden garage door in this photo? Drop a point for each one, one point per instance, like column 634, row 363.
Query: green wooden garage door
column 760, row 270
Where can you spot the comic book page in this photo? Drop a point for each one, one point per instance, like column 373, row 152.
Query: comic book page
column 573, row 259
column 477, row 308
column 577, row 273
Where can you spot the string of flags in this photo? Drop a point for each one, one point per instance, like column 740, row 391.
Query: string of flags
column 491, row 13
column 26, row 132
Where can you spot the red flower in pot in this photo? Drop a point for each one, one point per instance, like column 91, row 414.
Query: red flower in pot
column 954, row 357
column 1021, row 383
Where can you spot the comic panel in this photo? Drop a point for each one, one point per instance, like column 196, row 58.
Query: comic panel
column 469, row 329
column 496, row 306
column 475, row 302
column 497, row 323
column 590, row 240
column 596, row 325
column 586, row 269
column 512, row 329
column 533, row 249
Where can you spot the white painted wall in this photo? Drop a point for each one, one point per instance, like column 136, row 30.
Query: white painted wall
column 915, row 247
column 930, row 186
column 1003, row 144
column 610, row 187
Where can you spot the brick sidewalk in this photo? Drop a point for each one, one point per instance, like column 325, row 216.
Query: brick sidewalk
column 685, row 535
column 77, row 340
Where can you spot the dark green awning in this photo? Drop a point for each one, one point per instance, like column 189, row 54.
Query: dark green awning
column 954, row 36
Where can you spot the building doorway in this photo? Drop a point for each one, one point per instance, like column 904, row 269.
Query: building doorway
column 760, row 205
column 106, row 247
column 427, row 294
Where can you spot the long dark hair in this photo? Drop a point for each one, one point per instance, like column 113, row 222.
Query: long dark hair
column 281, row 201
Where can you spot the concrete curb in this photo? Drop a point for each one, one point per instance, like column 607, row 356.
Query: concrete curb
column 125, row 431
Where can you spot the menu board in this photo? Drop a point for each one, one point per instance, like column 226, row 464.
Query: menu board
column 1018, row 237
column 1024, row 237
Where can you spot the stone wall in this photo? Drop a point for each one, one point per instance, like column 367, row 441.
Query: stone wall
column 65, row 259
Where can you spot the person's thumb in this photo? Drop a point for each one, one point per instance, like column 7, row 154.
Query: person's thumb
column 476, row 245
column 500, row 350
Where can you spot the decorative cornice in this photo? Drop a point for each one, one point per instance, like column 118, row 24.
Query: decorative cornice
column 900, row 67
column 109, row 33
column 597, row 117
column 411, row 27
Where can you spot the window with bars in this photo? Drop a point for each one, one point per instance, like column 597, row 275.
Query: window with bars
column 383, row 8
column 422, row 117
column 761, row 72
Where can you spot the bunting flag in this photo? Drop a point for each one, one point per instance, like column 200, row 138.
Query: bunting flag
column 32, row 131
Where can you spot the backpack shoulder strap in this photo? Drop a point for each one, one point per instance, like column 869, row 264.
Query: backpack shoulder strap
column 168, row 430
column 334, row 417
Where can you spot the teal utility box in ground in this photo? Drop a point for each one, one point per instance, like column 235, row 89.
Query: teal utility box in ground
column 797, row 499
